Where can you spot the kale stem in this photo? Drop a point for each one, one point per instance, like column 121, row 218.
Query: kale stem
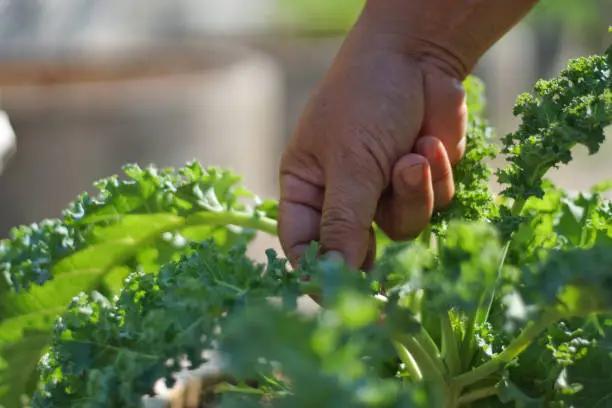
column 517, row 206
column 516, row 347
column 411, row 365
column 467, row 347
column 430, row 347
column 450, row 351
column 240, row 219
column 429, row 369
column 482, row 314
column 478, row 394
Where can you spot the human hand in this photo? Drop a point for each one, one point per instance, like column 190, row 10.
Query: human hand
column 376, row 142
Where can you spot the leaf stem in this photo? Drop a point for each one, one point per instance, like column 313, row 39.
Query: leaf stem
column 477, row 394
column 516, row 347
column 411, row 365
column 240, row 219
column 430, row 347
column 481, row 315
column 450, row 351
column 429, row 369
column 468, row 349
column 517, row 206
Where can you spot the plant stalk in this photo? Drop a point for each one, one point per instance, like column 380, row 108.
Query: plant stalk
column 240, row 219
column 430, row 347
column 411, row 365
column 484, row 309
column 450, row 351
column 516, row 347
column 468, row 349
column 429, row 368
column 478, row 394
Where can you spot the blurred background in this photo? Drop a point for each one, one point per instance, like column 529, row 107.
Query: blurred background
column 89, row 85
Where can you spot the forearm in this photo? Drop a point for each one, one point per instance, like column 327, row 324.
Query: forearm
column 455, row 32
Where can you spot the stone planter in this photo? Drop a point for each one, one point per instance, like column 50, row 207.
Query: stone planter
column 79, row 117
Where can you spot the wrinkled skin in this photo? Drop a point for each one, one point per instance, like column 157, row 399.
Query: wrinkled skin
column 376, row 142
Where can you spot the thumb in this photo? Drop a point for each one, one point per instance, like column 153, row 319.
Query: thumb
column 352, row 193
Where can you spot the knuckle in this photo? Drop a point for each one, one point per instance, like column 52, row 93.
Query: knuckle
column 339, row 225
column 285, row 162
column 338, row 219
column 367, row 153
column 379, row 151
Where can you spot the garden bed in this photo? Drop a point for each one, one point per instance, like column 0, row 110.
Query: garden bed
column 503, row 301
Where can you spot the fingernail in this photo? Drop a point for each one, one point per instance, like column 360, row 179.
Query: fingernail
column 413, row 176
column 334, row 256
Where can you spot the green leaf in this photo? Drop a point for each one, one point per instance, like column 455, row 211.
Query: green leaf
column 468, row 266
column 571, row 109
column 16, row 383
column 559, row 220
column 538, row 374
column 133, row 225
column 326, row 377
column 592, row 374
column 578, row 282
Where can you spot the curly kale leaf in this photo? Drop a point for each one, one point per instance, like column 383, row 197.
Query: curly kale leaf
column 572, row 109
column 158, row 321
column 457, row 274
column 556, row 368
column 560, row 220
column 27, row 256
column 587, row 382
column 328, row 361
column 568, row 366
column 447, row 288
column 555, row 304
column 473, row 198
column 577, row 282
column 139, row 220
column 211, row 300
column 111, row 353
column 134, row 224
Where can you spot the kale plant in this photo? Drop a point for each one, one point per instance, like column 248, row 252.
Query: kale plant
column 505, row 301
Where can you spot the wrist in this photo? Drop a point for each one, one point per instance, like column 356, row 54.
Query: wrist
column 451, row 34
